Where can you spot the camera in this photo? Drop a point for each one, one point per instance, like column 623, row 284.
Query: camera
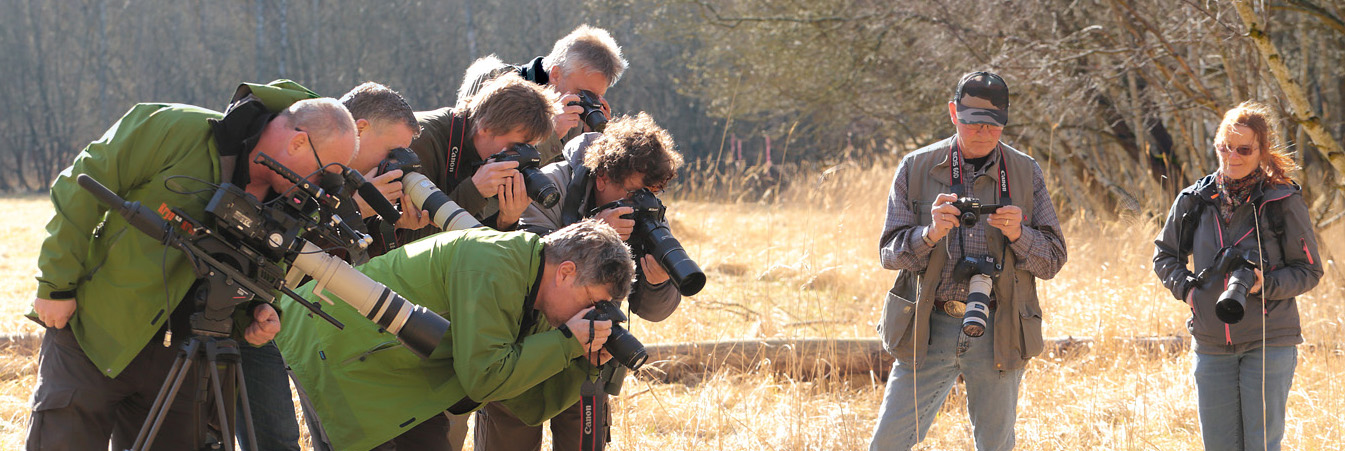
column 240, row 255
column 970, row 210
column 652, row 236
column 540, row 188
column 445, row 213
column 623, row 346
column 593, row 116
column 1240, row 266
column 980, row 273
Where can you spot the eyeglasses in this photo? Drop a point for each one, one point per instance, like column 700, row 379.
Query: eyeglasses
column 310, row 146
column 982, row 128
column 1245, row 151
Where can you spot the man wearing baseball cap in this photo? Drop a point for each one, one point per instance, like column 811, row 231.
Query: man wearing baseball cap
column 969, row 229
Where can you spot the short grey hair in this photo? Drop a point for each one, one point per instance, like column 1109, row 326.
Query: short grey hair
column 599, row 255
column 322, row 118
column 591, row 49
column 375, row 102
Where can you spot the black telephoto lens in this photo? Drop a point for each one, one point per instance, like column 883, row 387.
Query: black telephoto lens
column 625, row 348
column 1232, row 303
column 669, row 253
column 540, row 188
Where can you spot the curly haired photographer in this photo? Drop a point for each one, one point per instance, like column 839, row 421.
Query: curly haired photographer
column 965, row 302
column 1248, row 212
column 633, row 153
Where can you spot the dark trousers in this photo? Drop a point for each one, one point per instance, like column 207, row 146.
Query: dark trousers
column 427, row 436
column 272, row 409
column 497, row 429
column 77, row 407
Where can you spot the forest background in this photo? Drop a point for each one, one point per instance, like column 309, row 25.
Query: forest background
column 792, row 116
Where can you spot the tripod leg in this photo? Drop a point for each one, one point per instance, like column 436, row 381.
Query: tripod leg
column 246, row 407
column 165, row 397
column 226, row 433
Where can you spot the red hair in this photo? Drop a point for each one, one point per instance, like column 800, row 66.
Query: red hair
column 1276, row 162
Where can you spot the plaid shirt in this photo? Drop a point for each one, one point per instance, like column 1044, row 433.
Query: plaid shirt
column 1040, row 250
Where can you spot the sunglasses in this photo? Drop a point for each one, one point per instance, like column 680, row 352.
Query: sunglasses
column 1245, row 151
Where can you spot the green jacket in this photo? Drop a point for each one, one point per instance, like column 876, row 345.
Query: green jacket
column 368, row 389
column 126, row 282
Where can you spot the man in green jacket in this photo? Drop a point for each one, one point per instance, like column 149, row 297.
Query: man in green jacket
column 516, row 302
column 107, row 293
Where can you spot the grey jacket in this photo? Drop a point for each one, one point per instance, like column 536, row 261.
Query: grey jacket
column 1291, row 265
column 651, row 302
column 1038, row 254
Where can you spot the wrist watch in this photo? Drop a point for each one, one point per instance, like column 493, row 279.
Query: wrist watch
column 924, row 235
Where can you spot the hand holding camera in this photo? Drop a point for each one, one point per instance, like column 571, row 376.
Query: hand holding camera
column 1243, row 269
column 579, row 326
column 943, row 216
column 620, row 219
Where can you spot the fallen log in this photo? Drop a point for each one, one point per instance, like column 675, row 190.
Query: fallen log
column 809, row 358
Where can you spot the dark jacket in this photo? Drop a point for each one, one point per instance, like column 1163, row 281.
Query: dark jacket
column 1291, row 264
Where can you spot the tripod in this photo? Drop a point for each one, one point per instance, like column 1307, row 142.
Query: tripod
column 219, row 372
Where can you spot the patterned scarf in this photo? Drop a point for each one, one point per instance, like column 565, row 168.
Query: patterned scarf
column 1233, row 193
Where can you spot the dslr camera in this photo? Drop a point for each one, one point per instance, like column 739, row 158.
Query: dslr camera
column 970, row 210
column 980, row 274
column 540, row 188
column 623, row 346
column 652, row 236
column 445, row 213
column 593, row 116
column 1240, row 266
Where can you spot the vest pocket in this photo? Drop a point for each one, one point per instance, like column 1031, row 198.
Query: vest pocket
column 898, row 313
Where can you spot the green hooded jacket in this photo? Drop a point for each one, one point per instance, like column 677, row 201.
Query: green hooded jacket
column 163, row 156
column 367, row 388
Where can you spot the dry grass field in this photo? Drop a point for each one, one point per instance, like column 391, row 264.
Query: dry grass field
column 806, row 265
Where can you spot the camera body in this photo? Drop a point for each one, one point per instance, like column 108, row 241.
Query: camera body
column 970, row 210
column 980, row 274
column 1240, row 266
column 623, row 346
column 652, row 236
column 402, row 159
column 540, row 188
column 592, row 115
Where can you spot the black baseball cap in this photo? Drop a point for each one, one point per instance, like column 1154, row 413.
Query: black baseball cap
column 982, row 98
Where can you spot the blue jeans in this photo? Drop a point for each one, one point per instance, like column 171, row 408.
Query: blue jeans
column 269, row 394
column 992, row 395
column 1230, row 396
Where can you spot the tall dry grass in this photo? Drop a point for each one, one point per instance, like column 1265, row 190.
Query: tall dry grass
column 804, row 264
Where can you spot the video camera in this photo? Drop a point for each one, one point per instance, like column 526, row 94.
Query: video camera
column 445, row 213
column 1240, row 266
column 241, row 257
column 540, row 188
column 980, row 273
column 971, row 209
column 593, row 116
column 652, row 236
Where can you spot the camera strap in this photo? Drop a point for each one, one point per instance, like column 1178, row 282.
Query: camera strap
column 453, row 160
column 955, row 173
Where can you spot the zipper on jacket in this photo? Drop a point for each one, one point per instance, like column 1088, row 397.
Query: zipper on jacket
column 1305, row 249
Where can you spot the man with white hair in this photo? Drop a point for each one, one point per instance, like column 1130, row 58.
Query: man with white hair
column 107, row 294
column 587, row 59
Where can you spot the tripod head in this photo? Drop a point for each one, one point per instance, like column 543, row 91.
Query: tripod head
column 242, row 257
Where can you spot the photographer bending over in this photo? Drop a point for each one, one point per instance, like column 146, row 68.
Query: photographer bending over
column 633, row 154
column 516, row 302
column 1247, row 227
column 107, row 294
column 974, row 265
column 581, row 67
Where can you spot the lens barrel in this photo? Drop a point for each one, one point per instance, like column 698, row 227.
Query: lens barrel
column 1232, row 303
column 669, row 252
column 540, row 188
column 443, row 212
column 625, row 348
column 978, row 305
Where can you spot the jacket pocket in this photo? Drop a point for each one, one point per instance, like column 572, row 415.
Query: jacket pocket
column 1029, row 315
column 898, row 313
column 52, row 399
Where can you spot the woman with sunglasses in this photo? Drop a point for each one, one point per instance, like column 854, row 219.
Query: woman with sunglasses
column 1245, row 222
